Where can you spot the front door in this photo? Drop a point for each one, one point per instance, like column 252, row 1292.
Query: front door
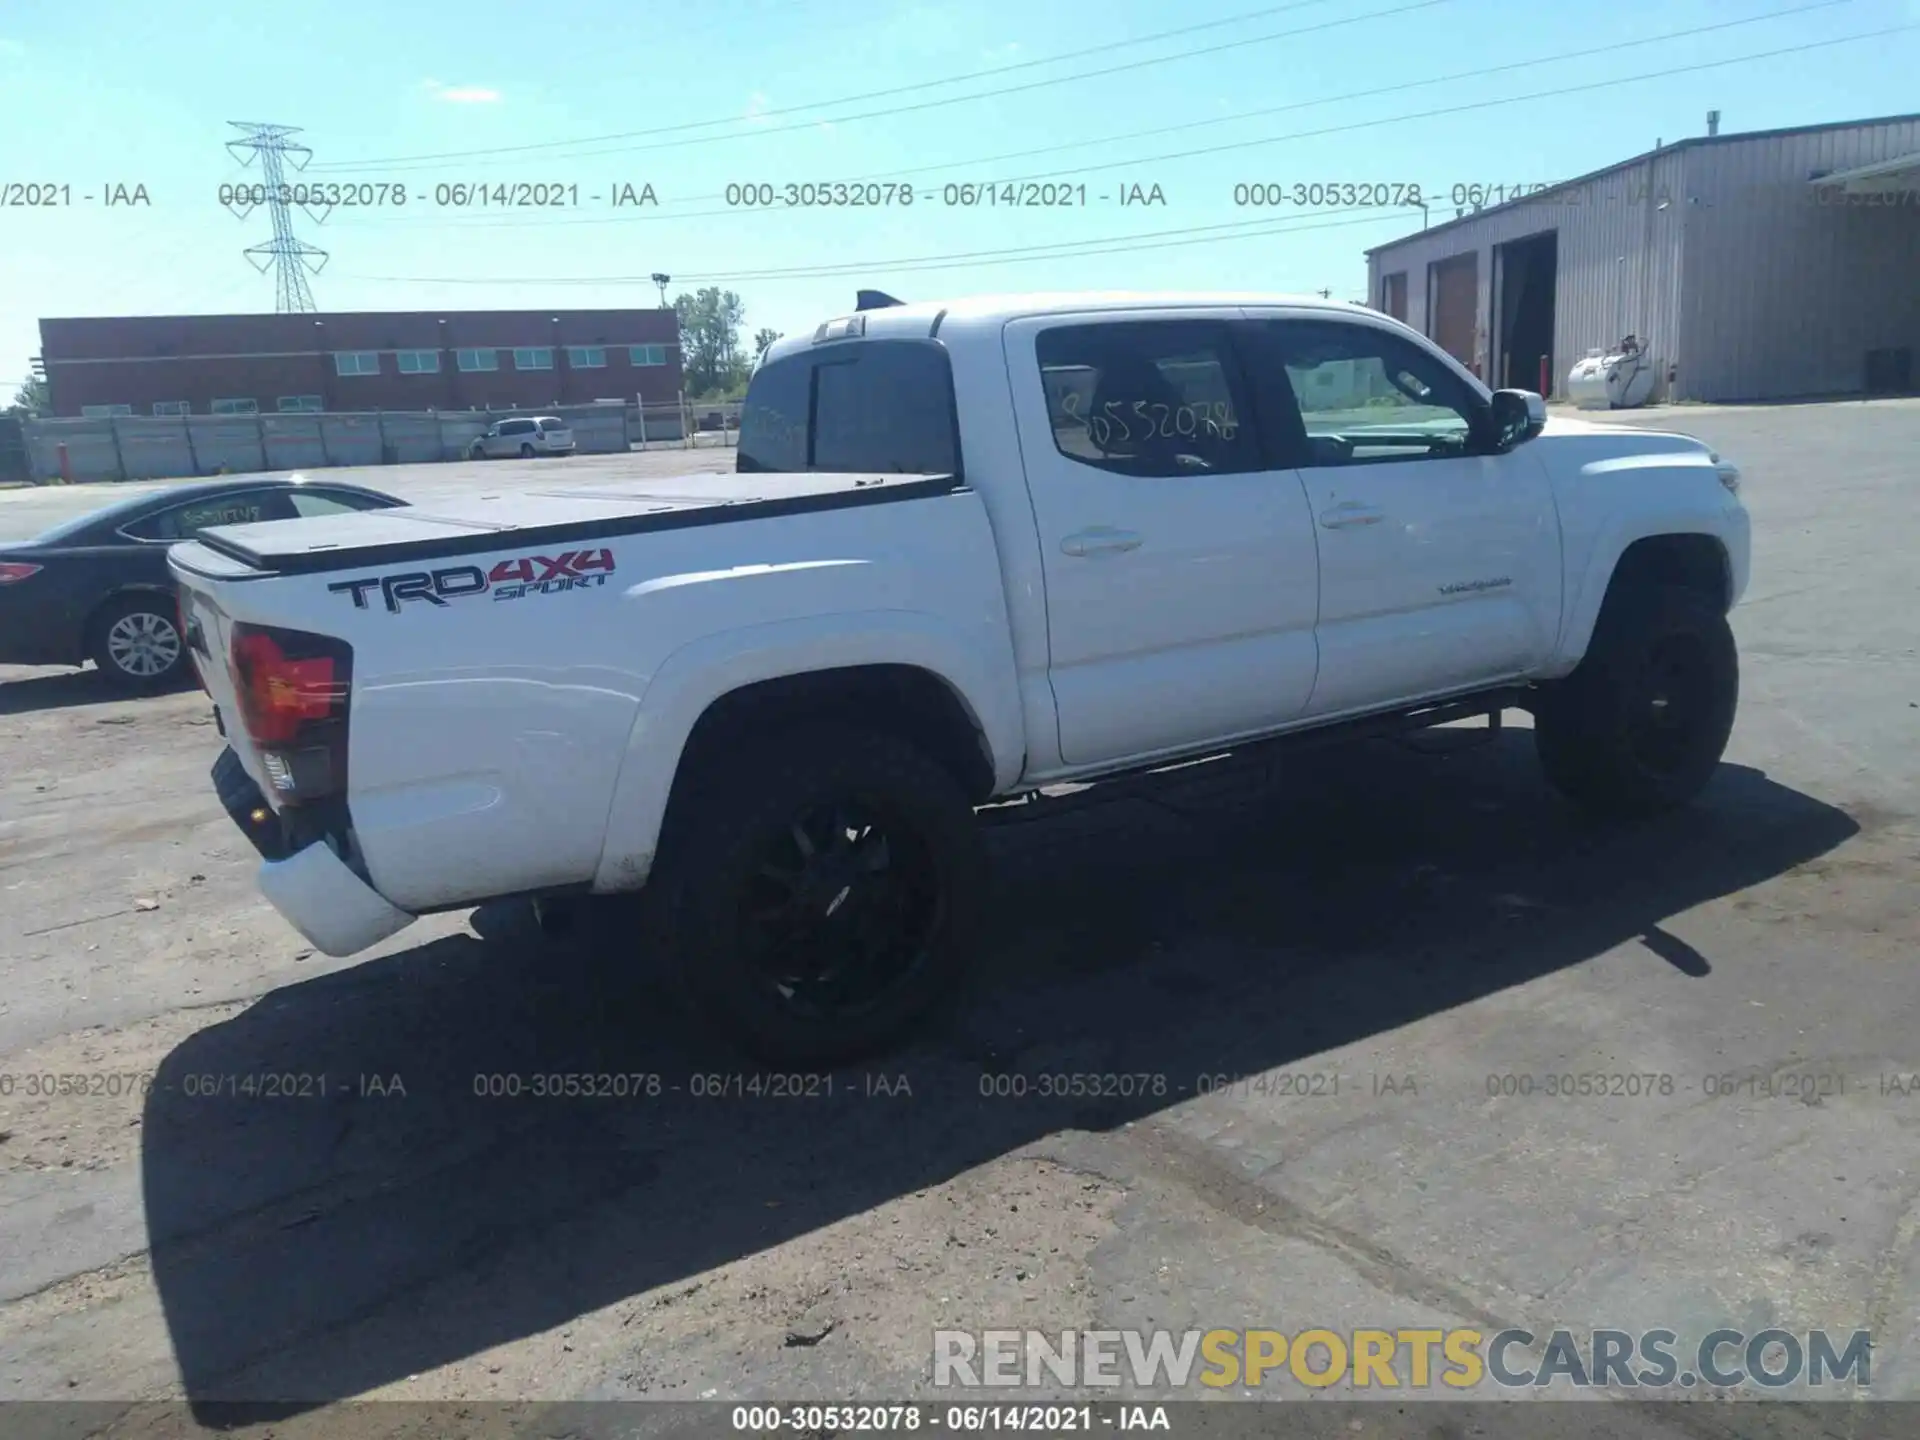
column 1439, row 565
column 1180, row 573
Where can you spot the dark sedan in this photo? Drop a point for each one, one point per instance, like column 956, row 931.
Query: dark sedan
column 97, row 587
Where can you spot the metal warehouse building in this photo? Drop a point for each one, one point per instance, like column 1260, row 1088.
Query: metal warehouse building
column 425, row 360
column 1766, row 265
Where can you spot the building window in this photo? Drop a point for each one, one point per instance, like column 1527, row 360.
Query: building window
column 300, row 404
column 236, row 407
column 102, row 412
column 418, row 362
column 647, row 354
column 533, row 358
column 172, row 407
column 356, row 362
column 587, row 357
column 477, row 359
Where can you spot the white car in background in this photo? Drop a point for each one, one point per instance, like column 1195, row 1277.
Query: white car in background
column 537, row 435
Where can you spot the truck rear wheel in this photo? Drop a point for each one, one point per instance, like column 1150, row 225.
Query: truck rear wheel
column 823, row 897
column 1641, row 725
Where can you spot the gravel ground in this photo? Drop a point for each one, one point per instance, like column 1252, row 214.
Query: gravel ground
column 1394, row 927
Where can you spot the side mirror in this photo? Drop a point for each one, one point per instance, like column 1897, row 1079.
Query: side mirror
column 1514, row 417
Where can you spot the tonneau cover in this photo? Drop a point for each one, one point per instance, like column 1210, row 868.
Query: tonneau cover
column 549, row 515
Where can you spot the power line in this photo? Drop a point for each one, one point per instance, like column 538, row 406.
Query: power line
column 993, row 94
column 923, row 85
column 288, row 257
column 1387, row 120
column 1205, row 234
column 1472, row 105
column 498, row 223
column 1057, row 250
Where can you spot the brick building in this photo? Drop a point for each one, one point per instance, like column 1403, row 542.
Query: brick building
column 401, row 360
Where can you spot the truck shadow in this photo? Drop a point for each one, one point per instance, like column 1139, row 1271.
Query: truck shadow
column 25, row 692
column 1228, row 918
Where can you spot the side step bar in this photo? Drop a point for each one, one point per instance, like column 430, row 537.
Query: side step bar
column 1036, row 804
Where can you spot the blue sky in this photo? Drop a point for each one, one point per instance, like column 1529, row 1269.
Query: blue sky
column 102, row 92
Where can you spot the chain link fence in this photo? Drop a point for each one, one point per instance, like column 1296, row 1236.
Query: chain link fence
column 693, row 424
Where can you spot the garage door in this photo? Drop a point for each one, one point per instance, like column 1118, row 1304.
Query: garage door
column 1454, row 288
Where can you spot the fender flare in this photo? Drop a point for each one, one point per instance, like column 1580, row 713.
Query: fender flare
column 1609, row 548
column 691, row 678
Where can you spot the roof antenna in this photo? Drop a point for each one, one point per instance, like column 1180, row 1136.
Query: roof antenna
column 874, row 300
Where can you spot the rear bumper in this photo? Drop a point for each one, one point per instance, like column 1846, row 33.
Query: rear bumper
column 312, row 887
column 338, row 912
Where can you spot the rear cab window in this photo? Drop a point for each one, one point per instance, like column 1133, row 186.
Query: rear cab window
column 870, row 407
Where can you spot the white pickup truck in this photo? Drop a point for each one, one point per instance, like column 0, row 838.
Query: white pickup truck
column 970, row 550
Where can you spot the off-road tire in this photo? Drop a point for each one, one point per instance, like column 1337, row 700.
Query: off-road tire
column 1654, row 647
column 114, row 642
column 731, row 805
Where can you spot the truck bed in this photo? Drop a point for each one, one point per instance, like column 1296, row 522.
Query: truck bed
column 551, row 515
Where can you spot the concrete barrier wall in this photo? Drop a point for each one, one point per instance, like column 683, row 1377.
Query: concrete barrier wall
column 139, row 447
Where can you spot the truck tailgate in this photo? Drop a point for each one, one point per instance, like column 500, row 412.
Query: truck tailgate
column 209, row 638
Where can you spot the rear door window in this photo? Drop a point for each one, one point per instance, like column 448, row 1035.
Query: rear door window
column 877, row 406
column 1147, row 397
column 245, row 507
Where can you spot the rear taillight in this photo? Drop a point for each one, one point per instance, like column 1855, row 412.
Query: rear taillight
column 292, row 690
column 14, row 571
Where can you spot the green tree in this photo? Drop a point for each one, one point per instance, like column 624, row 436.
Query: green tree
column 762, row 342
column 31, row 398
column 710, row 357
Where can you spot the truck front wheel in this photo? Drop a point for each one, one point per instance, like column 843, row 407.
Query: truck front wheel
column 824, row 893
column 1641, row 725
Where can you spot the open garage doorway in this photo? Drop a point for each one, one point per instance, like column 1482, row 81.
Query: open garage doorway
column 1525, row 274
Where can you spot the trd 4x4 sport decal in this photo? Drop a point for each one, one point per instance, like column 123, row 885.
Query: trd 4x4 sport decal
column 507, row 580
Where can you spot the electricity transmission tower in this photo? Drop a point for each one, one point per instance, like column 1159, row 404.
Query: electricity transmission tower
column 289, row 257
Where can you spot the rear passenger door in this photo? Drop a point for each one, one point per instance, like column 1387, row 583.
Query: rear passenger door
column 1181, row 577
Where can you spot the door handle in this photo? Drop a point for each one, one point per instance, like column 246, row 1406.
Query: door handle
column 1100, row 541
column 1350, row 514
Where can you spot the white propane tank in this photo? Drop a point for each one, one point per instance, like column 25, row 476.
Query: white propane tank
column 1620, row 378
column 1587, row 382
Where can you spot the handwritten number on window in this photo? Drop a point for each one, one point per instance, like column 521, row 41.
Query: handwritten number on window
column 1142, row 419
